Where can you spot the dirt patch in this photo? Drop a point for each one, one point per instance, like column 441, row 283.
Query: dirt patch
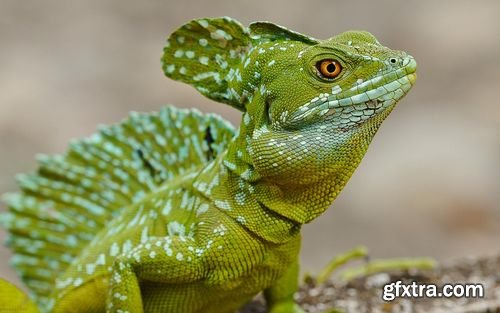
column 364, row 294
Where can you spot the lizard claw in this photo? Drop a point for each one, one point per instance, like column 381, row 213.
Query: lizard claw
column 353, row 254
column 334, row 310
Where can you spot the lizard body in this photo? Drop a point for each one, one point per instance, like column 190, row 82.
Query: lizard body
column 177, row 211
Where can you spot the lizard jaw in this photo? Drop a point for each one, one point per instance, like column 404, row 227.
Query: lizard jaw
column 363, row 100
column 360, row 111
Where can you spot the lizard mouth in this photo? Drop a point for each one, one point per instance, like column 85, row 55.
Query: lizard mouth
column 363, row 100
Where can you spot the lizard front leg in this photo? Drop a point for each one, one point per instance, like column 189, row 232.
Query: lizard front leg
column 170, row 260
column 279, row 296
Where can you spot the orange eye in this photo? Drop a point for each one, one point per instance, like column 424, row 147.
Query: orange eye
column 329, row 68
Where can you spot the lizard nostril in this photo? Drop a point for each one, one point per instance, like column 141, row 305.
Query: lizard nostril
column 393, row 60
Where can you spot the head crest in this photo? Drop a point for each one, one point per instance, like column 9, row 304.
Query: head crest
column 209, row 53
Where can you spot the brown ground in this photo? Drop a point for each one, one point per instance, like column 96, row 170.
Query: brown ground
column 363, row 295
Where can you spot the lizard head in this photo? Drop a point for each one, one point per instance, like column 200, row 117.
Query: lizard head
column 311, row 107
column 345, row 81
column 319, row 103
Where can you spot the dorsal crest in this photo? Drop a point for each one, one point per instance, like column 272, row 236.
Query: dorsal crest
column 209, row 54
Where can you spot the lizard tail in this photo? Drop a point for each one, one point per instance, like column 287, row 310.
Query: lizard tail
column 72, row 196
column 13, row 300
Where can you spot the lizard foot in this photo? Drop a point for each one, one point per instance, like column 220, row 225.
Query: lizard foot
column 339, row 260
column 389, row 265
column 334, row 310
column 287, row 308
column 371, row 266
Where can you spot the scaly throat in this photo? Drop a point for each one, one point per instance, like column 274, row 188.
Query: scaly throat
column 269, row 208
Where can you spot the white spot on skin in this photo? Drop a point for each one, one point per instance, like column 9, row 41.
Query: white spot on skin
column 336, row 90
column 90, row 268
column 214, row 75
column 78, row 282
column 168, row 207
column 240, row 198
column 260, row 131
column 220, row 230
column 184, row 201
column 119, row 296
column 223, row 204
column 114, row 250
column 203, row 60
column 190, row 54
column 202, row 208
column 167, row 249
column 175, row 228
column 170, row 68
column 246, row 174
column 61, row 284
column 219, row 34
column 199, row 252
column 144, row 235
column 203, row 42
column 203, row 23
column 230, row 165
column 101, row 260
column 271, row 63
column 179, row 256
column 116, row 276
column 246, row 118
column 178, row 53
column 127, row 246
column 182, row 70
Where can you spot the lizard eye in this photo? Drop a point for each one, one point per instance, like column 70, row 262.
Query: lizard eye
column 329, row 68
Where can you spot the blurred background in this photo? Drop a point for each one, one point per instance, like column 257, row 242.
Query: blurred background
column 428, row 186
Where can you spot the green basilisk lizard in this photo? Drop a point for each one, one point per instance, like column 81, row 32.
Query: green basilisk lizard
column 177, row 211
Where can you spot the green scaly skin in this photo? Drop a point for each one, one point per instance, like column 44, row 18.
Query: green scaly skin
column 176, row 212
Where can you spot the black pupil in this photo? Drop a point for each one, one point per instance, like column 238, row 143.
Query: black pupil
column 331, row 67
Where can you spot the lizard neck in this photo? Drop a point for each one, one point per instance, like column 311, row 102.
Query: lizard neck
column 264, row 198
column 286, row 173
column 237, row 197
